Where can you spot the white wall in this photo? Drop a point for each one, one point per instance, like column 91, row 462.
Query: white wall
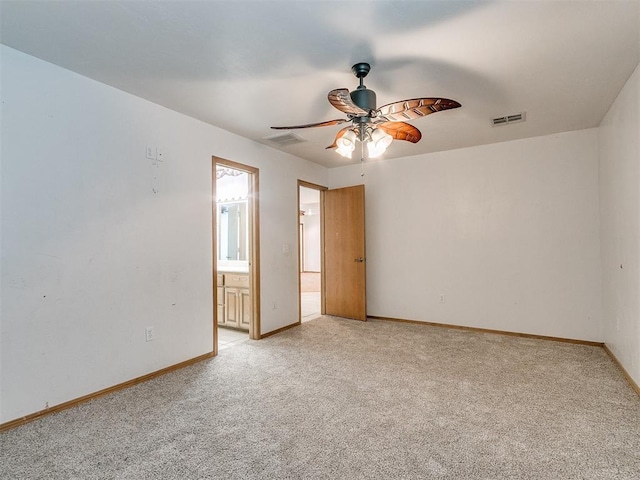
column 98, row 243
column 619, row 143
column 508, row 232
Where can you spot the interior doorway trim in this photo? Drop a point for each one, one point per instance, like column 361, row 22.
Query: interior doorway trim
column 320, row 188
column 254, row 246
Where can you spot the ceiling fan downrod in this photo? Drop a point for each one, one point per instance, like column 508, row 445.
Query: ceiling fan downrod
column 362, row 96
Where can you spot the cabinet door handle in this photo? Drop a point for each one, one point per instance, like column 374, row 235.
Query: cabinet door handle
column 359, row 260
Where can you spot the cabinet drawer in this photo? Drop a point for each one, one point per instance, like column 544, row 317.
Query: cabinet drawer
column 231, row 280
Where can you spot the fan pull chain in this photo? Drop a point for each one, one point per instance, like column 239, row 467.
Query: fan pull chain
column 361, row 158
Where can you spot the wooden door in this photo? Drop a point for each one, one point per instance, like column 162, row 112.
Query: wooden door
column 344, row 253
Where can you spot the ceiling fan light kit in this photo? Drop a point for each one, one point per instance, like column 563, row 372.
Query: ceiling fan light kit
column 375, row 127
column 346, row 144
column 378, row 143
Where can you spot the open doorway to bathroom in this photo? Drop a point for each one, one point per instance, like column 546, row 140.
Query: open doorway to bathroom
column 235, row 253
column 310, row 250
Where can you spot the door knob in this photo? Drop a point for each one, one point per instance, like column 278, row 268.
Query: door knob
column 359, row 260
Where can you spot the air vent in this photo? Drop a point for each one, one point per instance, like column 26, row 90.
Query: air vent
column 507, row 119
column 285, row 139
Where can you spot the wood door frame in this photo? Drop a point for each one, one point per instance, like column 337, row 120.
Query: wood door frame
column 320, row 188
column 254, row 245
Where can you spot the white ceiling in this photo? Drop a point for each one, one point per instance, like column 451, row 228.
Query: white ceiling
column 245, row 66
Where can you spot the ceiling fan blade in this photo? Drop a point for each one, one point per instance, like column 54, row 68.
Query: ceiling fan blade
column 341, row 99
column 401, row 131
column 339, row 134
column 309, row 125
column 414, row 108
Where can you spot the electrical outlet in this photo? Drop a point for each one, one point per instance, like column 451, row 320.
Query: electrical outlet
column 442, row 298
column 148, row 334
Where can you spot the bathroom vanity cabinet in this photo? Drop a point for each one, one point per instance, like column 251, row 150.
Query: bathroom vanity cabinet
column 234, row 300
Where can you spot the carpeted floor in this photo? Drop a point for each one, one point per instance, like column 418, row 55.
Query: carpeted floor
column 340, row 399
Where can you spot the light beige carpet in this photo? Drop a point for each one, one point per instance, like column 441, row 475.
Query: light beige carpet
column 340, row 399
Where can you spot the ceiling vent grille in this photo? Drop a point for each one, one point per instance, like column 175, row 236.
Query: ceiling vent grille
column 285, row 139
column 507, row 119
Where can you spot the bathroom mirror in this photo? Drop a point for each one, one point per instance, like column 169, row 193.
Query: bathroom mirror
column 233, row 233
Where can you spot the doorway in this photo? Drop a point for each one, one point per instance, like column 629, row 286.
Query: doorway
column 236, row 272
column 310, row 250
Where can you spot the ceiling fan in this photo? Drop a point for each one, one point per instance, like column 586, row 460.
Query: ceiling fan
column 377, row 127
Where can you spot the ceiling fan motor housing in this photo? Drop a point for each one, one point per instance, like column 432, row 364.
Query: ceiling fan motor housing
column 364, row 98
